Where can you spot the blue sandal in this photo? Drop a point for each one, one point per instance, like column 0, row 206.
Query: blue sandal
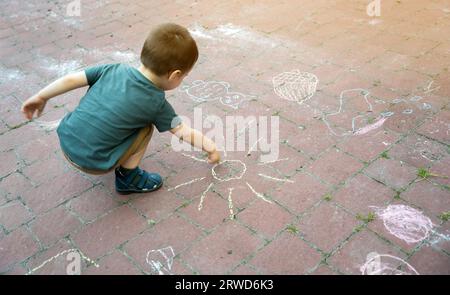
column 137, row 181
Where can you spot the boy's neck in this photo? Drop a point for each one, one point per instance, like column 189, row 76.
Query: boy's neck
column 155, row 79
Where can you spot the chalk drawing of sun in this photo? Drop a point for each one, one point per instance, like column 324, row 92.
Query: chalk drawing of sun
column 229, row 170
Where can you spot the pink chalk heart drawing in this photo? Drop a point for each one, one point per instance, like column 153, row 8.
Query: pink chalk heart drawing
column 406, row 223
column 295, row 86
column 201, row 91
column 385, row 264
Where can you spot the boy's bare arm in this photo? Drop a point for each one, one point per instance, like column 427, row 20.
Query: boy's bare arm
column 197, row 139
column 37, row 102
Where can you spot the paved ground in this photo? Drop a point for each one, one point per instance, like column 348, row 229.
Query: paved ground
column 346, row 191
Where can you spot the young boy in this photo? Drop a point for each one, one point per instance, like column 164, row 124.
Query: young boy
column 112, row 125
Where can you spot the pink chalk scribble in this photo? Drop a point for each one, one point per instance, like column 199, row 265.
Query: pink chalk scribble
column 406, row 223
column 370, row 127
column 385, row 264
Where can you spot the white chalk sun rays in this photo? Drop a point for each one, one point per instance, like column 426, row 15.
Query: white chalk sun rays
column 233, row 173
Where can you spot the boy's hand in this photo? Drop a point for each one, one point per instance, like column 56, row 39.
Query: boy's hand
column 33, row 104
column 214, row 157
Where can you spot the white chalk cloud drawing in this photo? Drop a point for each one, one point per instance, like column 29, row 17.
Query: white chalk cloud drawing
column 231, row 170
column 161, row 260
column 385, row 264
column 410, row 225
column 204, row 91
column 295, row 85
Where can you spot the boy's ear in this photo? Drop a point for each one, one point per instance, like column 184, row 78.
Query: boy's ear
column 175, row 74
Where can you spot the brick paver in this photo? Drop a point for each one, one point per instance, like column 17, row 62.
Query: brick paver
column 319, row 198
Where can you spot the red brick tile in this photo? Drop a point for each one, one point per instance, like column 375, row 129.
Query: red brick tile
column 326, row 226
column 441, row 168
column 53, row 166
column 335, row 166
column 428, row 196
column 35, row 150
column 16, row 247
column 16, row 270
column 14, row 214
column 361, row 192
column 430, row 262
column 54, row 225
column 313, row 139
column 175, row 232
column 300, row 195
column 402, row 122
column 213, row 213
column 157, row 205
column 14, row 185
column 295, row 161
column 437, row 128
column 54, row 192
column 419, row 151
column 323, row 271
column 279, row 218
column 9, row 162
column 243, row 270
column 439, row 239
column 109, row 232
column 225, row 248
column 272, row 259
column 367, row 147
column 93, row 203
column 113, row 264
column 391, row 172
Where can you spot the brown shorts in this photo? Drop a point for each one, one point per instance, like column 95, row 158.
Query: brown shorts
column 139, row 143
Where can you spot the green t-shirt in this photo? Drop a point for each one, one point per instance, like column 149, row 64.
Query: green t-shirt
column 119, row 101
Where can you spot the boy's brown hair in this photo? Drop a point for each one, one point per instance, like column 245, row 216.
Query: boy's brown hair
column 169, row 47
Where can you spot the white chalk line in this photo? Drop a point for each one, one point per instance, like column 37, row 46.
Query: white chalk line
column 250, row 150
column 428, row 89
column 203, row 91
column 230, row 202
column 47, row 126
column 214, row 174
column 258, row 194
column 276, row 179
column 202, row 197
column 194, row 158
column 186, row 183
column 373, row 266
column 437, row 237
column 239, row 133
column 274, row 161
column 365, row 93
column 60, row 254
column 157, row 266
